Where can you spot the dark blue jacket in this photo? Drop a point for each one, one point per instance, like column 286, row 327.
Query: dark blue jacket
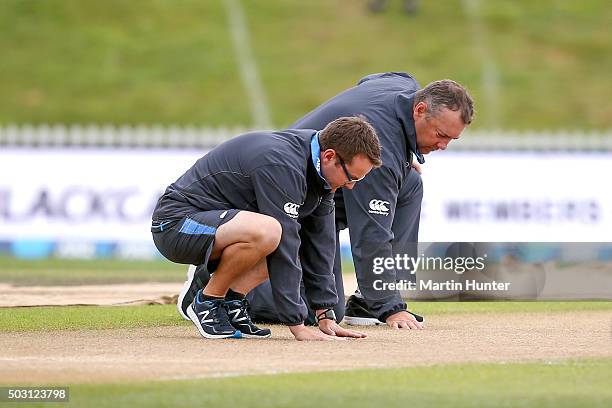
column 270, row 173
column 386, row 100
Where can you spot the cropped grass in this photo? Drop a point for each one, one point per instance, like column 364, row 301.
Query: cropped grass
column 573, row 383
column 446, row 308
column 541, row 65
column 19, row 319
column 36, row 272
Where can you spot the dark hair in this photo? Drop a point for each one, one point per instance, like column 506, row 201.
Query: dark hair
column 448, row 94
column 351, row 136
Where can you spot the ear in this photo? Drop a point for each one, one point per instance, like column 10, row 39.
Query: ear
column 329, row 154
column 420, row 109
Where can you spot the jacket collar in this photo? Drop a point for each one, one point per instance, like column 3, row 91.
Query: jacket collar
column 315, row 155
column 403, row 110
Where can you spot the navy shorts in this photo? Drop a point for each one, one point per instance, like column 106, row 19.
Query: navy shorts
column 189, row 240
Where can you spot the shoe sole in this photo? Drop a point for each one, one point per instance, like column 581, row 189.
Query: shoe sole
column 184, row 291
column 362, row 321
column 254, row 336
column 194, row 319
column 370, row 321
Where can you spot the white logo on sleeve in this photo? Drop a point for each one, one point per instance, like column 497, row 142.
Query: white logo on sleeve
column 292, row 209
column 379, row 207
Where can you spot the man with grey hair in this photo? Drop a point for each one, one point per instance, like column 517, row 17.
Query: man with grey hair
column 383, row 211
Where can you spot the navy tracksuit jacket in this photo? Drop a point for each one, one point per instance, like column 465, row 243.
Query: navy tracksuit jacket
column 270, row 173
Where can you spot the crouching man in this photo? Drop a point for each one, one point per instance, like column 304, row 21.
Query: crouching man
column 260, row 206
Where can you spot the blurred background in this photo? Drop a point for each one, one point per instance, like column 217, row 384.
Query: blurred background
column 103, row 104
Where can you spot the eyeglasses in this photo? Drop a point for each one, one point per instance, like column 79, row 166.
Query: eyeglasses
column 350, row 178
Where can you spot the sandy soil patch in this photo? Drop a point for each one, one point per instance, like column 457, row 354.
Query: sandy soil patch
column 549, row 283
column 180, row 353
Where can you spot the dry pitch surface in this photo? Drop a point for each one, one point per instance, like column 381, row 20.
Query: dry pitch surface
column 94, row 356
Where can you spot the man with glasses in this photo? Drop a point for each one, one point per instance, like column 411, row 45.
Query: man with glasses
column 383, row 211
column 260, row 207
column 349, row 178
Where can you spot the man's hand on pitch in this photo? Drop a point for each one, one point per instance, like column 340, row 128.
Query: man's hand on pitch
column 403, row 320
column 332, row 328
column 303, row 333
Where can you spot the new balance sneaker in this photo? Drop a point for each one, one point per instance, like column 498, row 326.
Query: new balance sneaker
column 358, row 314
column 211, row 318
column 238, row 311
column 197, row 278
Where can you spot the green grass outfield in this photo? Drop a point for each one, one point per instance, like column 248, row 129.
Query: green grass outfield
column 44, row 272
column 571, row 383
column 109, row 317
column 529, row 64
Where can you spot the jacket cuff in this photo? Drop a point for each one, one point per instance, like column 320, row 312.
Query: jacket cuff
column 293, row 323
column 401, row 307
column 323, row 306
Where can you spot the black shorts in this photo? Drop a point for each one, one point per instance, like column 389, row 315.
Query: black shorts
column 189, row 240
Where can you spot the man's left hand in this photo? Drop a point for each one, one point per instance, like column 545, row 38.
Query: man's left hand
column 403, row 320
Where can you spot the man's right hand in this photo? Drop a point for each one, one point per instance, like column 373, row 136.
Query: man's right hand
column 303, row 333
column 403, row 320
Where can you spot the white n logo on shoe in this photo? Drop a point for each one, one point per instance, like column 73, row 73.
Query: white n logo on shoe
column 236, row 313
column 204, row 318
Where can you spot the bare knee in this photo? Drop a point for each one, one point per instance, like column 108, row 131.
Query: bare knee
column 266, row 234
column 258, row 230
column 262, row 231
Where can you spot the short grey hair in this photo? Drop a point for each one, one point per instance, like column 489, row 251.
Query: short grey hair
column 448, row 94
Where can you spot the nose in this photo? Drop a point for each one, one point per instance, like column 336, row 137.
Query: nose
column 442, row 145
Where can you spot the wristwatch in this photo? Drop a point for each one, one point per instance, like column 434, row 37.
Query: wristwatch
column 328, row 314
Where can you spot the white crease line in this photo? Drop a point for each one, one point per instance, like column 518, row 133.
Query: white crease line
column 247, row 65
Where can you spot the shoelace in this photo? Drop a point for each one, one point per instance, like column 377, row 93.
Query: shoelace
column 219, row 312
column 222, row 316
column 245, row 306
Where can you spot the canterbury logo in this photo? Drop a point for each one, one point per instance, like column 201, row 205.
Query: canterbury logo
column 379, row 207
column 291, row 209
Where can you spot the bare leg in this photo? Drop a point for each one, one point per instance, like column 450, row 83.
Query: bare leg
column 241, row 244
column 247, row 282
